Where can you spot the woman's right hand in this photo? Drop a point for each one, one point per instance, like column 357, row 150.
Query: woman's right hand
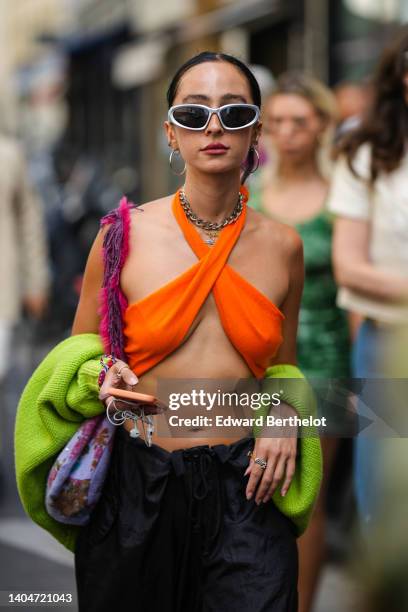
column 119, row 376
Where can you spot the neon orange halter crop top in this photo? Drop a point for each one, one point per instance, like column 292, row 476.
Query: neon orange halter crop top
column 156, row 325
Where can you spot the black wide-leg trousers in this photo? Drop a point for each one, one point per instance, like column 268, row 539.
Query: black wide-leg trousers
column 174, row 532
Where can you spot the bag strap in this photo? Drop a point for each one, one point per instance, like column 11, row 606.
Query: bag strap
column 113, row 302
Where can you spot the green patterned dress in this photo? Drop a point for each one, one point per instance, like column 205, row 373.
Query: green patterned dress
column 323, row 346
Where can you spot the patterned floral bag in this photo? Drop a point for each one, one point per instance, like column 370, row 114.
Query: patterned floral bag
column 76, row 478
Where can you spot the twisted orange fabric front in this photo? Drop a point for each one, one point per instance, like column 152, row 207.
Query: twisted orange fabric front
column 157, row 325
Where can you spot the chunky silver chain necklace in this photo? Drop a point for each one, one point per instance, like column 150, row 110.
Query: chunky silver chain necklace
column 209, row 225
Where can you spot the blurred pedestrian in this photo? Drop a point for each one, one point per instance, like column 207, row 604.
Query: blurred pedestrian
column 380, row 566
column 299, row 119
column 369, row 196
column 23, row 265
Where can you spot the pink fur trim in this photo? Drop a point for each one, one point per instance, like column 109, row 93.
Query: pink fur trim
column 103, row 312
column 112, row 301
column 124, row 210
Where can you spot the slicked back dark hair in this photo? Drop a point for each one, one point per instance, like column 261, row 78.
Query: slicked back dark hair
column 213, row 56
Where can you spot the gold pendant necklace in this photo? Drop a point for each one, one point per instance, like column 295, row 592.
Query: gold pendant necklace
column 211, row 237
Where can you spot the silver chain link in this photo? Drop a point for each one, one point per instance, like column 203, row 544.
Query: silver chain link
column 209, row 225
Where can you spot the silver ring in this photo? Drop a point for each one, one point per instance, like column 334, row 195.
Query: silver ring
column 261, row 462
column 119, row 372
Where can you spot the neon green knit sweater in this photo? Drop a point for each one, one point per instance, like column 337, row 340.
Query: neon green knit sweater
column 60, row 394
column 63, row 391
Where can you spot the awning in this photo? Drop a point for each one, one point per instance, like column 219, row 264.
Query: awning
column 141, row 62
column 231, row 16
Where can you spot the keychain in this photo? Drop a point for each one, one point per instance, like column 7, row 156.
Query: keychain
column 120, row 416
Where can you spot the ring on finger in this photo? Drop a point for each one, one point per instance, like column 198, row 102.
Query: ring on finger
column 119, row 372
column 261, row 462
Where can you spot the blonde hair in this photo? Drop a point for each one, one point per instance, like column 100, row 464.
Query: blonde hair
column 323, row 102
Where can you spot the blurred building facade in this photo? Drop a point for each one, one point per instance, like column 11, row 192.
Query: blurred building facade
column 110, row 64
column 21, row 25
column 358, row 30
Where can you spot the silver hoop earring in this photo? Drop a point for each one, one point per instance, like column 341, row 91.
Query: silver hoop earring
column 173, row 151
column 257, row 160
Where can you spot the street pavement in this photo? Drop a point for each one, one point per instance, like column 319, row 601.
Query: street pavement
column 32, row 561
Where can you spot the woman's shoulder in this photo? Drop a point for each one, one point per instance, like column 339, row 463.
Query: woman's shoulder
column 275, row 234
column 130, row 214
column 153, row 208
column 152, row 218
column 127, row 205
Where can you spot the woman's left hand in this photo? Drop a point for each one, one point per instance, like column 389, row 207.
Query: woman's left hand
column 280, row 455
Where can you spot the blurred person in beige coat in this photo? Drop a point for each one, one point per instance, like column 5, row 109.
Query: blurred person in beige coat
column 24, row 272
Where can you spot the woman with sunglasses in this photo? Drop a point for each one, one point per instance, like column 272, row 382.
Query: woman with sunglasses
column 299, row 118
column 179, row 527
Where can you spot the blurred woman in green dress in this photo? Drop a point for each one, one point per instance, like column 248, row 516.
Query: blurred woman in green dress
column 292, row 186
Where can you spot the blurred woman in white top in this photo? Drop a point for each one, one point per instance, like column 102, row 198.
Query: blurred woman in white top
column 369, row 195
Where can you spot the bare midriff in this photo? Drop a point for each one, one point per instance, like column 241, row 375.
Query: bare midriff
column 171, row 444
column 197, row 357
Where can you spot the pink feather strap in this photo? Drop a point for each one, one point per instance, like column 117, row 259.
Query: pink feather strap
column 112, row 300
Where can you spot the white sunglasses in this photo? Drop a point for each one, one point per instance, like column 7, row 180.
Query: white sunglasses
column 197, row 116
